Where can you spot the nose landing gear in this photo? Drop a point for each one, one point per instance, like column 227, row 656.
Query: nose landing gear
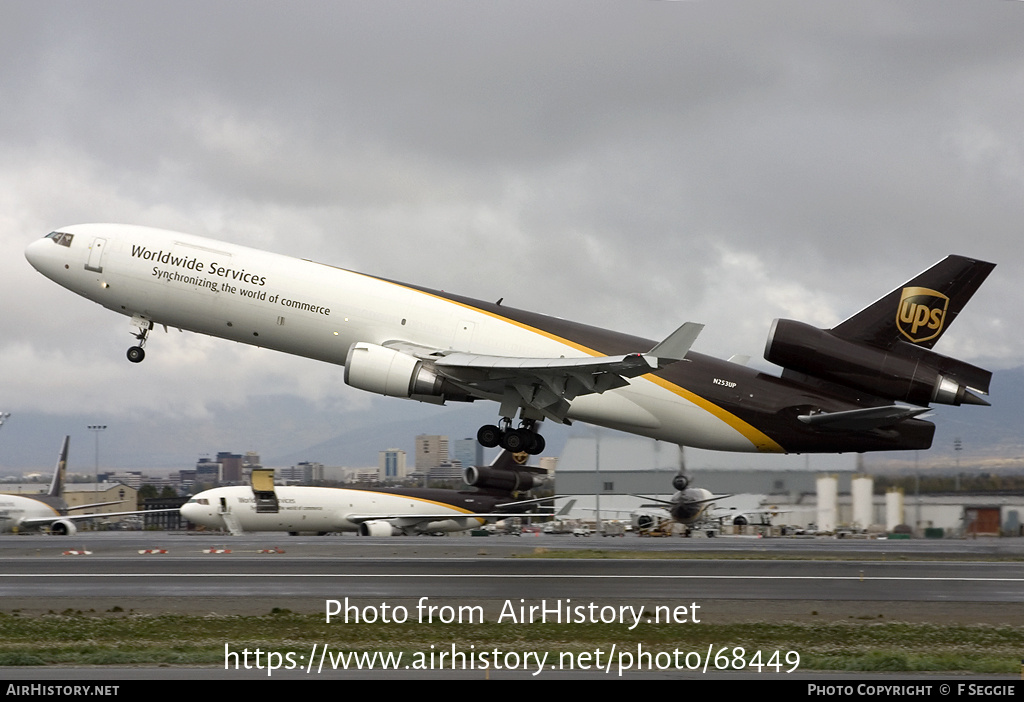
column 137, row 353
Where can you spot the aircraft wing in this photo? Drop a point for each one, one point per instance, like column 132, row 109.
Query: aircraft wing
column 44, row 521
column 535, row 501
column 94, row 504
column 416, row 518
column 549, row 385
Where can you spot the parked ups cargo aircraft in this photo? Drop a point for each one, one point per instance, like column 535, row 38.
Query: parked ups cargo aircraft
column 263, row 506
column 688, row 505
column 856, row 387
column 20, row 513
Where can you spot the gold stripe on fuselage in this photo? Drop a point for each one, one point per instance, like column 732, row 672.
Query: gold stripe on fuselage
column 761, row 441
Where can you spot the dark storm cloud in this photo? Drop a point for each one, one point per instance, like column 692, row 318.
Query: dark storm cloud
column 633, row 165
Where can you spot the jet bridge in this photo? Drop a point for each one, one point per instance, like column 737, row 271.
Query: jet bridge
column 262, row 481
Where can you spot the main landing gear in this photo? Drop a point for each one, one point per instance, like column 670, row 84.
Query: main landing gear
column 137, row 353
column 523, row 439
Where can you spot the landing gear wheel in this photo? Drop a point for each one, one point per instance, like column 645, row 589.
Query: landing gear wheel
column 516, row 440
column 135, row 353
column 538, row 445
column 489, row 436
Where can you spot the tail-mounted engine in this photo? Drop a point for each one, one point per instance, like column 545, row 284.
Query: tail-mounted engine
column 500, row 479
column 902, row 372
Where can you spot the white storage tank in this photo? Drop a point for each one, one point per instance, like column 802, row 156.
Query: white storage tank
column 893, row 508
column 862, row 488
column 828, row 502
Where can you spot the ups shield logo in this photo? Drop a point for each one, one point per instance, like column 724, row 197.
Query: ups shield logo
column 521, row 458
column 921, row 314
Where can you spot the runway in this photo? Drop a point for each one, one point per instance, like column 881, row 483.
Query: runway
column 705, row 581
column 727, row 578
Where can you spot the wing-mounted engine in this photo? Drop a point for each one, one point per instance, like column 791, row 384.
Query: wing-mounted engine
column 536, row 388
column 902, row 372
column 379, row 527
column 487, row 478
column 63, row 527
column 393, row 373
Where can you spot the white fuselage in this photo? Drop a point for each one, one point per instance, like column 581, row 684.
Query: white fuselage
column 14, row 509
column 318, row 311
column 319, row 509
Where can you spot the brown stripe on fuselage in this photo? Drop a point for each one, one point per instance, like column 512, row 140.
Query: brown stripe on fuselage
column 596, row 341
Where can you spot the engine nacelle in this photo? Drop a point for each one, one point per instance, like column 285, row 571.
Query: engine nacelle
column 379, row 527
column 645, row 521
column 392, row 373
column 63, row 527
column 913, row 375
column 388, row 372
column 498, row 479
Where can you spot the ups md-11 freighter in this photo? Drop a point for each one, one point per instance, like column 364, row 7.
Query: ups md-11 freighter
column 859, row 386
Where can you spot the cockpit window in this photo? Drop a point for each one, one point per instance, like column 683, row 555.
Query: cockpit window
column 62, row 238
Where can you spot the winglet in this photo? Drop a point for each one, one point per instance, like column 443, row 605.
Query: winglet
column 677, row 345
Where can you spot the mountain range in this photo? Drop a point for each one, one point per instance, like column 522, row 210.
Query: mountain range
column 285, row 430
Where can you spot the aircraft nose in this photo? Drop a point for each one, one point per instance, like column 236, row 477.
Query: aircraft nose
column 198, row 513
column 190, row 511
column 36, row 253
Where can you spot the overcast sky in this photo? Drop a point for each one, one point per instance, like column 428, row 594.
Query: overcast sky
column 629, row 164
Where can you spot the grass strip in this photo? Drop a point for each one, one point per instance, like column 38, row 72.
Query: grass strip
column 74, row 638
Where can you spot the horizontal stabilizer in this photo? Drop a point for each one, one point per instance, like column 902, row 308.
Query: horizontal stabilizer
column 534, row 501
column 862, row 419
column 684, row 502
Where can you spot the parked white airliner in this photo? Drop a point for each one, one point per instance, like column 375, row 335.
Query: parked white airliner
column 21, row 513
column 263, row 506
column 856, row 387
column 370, row 512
